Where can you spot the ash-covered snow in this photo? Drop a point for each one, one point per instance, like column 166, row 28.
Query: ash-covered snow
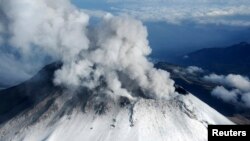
column 182, row 118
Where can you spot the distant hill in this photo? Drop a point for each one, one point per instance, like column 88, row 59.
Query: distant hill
column 2, row 86
column 232, row 59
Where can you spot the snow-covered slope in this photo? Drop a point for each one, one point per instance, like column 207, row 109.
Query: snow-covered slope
column 63, row 118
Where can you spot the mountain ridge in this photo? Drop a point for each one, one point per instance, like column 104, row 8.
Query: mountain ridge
column 231, row 59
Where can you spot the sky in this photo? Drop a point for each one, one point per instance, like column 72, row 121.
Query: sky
column 174, row 27
column 177, row 27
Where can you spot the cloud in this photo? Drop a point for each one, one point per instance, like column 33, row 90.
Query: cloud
column 15, row 69
column 239, row 86
column 218, row 12
column 194, row 69
column 10, row 72
column 181, row 1
column 222, row 12
column 224, row 94
column 190, row 70
column 246, row 99
column 219, row 79
column 231, row 80
column 235, row 96
column 109, row 58
column 37, row 32
column 1, row 32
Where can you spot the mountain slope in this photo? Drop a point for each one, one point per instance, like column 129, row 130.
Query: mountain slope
column 81, row 115
column 21, row 97
column 233, row 59
column 195, row 84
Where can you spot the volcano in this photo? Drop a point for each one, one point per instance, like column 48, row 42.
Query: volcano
column 36, row 110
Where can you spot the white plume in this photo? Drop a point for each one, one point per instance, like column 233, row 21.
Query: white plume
column 111, row 55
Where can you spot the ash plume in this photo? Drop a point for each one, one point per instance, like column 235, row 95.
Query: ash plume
column 109, row 58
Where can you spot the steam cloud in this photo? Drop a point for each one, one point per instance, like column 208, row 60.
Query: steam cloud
column 239, row 93
column 110, row 56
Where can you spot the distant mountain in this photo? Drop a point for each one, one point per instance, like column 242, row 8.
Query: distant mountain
column 41, row 111
column 2, row 86
column 232, row 59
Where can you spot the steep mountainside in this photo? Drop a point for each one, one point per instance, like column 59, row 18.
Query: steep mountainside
column 61, row 115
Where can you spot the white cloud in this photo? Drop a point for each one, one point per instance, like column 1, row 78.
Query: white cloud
column 236, row 81
column 219, row 79
column 12, row 70
column 240, row 88
column 222, row 12
column 224, row 94
column 194, row 69
column 190, row 70
column 37, row 30
column 181, row 1
column 2, row 31
column 246, row 99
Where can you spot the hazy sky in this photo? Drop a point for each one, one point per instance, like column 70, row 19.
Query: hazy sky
column 223, row 12
column 180, row 26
